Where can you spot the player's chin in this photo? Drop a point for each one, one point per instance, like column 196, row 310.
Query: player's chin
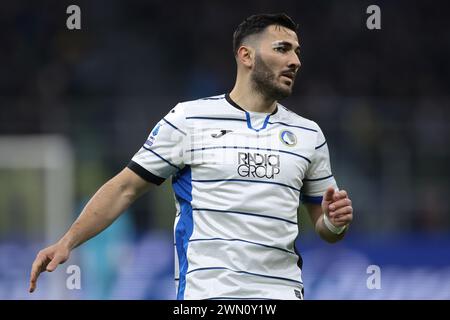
column 287, row 82
column 285, row 88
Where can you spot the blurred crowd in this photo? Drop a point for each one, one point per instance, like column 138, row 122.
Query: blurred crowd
column 380, row 96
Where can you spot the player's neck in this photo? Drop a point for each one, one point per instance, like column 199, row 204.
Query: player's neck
column 252, row 101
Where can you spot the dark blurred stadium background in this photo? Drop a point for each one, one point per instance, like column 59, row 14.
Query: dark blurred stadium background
column 89, row 98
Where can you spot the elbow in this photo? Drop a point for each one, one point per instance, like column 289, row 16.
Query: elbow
column 124, row 190
column 128, row 193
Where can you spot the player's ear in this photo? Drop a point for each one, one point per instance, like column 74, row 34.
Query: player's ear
column 246, row 56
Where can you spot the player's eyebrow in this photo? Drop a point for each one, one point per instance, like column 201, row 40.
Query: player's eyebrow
column 285, row 44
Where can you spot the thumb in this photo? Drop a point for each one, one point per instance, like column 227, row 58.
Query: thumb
column 328, row 196
column 54, row 263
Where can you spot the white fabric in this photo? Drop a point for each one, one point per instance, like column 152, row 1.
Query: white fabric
column 237, row 206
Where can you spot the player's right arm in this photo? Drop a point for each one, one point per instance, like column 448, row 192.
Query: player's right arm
column 160, row 157
column 113, row 198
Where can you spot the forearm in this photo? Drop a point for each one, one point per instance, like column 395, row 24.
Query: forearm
column 325, row 233
column 104, row 207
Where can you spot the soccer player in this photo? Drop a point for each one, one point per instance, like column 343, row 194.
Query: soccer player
column 240, row 162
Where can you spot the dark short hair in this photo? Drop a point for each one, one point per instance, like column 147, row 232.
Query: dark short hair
column 258, row 23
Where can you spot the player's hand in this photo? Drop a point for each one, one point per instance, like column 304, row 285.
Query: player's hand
column 338, row 207
column 48, row 259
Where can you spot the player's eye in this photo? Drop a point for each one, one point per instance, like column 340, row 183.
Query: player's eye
column 280, row 49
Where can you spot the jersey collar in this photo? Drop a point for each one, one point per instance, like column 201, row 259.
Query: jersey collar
column 234, row 104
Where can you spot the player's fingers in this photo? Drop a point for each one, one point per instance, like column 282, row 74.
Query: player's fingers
column 57, row 259
column 344, row 219
column 336, row 196
column 32, row 286
column 328, row 196
column 341, row 194
column 33, row 278
column 37, row 267
column 341, row 211
column 339, row 204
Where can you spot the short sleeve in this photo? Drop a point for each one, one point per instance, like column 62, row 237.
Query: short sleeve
column 318, row 176
column 162, row 154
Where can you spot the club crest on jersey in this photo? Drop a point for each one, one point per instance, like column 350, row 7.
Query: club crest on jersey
column 288, row 138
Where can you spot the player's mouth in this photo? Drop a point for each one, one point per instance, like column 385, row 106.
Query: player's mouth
column 289, row 75
column 288, row 78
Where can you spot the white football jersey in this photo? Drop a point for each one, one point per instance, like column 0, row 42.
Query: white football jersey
column 237, row 177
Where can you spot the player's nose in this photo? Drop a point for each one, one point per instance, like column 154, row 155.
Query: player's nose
column 294, row 62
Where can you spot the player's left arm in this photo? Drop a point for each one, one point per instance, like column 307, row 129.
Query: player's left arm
column 337, row 207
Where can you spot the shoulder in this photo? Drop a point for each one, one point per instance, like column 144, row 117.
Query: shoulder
column 294, row 119
column 191, row 109
column 196, row 105
column 215, row 107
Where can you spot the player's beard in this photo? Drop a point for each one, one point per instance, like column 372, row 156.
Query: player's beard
column 264, row 81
